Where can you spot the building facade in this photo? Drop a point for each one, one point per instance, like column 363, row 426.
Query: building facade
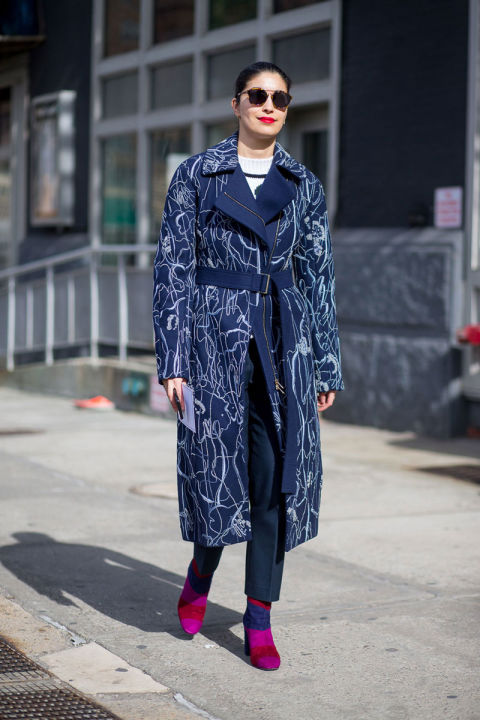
column 101, row 99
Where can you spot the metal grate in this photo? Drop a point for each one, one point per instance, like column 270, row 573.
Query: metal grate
column 470, row 473
column 13, row 661
column 49, row 704
column 28, row 692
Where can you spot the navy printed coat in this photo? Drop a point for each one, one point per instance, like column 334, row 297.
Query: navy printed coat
column 205, row 310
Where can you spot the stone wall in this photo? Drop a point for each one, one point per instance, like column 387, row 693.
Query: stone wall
column 398, row 302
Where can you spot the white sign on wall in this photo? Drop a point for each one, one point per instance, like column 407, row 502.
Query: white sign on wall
column 53, row 159
column 448, row 207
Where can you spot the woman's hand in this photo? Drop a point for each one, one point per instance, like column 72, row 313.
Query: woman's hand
column 169, row 384
column 325, row 400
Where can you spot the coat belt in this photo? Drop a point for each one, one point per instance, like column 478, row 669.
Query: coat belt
column 262, row 283
column 243, row 280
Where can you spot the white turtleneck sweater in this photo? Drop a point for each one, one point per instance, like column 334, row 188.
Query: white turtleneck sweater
column 255, row 170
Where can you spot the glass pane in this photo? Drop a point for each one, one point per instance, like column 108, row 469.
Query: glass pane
column 169, row 148
column 5, row 116
column 314, row 154
column 120, row 95
column 172, row 19
column 172, row 84
column 5, row 198
column 226, row 12
column 223, row 69
column 119, row 164
column 219, row 131
column 122, row 19
column 290, row 53
column 281, row 5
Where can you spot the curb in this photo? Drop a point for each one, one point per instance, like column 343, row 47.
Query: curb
column 81, row 669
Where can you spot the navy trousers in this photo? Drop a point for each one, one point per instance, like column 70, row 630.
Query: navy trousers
column 266, row 550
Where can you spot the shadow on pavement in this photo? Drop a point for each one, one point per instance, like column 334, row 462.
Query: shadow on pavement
column 133, row 592
column 465, row 447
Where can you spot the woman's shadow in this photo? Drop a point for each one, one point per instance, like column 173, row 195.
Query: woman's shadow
column 134, row 592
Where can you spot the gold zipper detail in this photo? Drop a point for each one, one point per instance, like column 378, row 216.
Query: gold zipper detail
column 278, row 384
column 245, row 206
column 279, row 387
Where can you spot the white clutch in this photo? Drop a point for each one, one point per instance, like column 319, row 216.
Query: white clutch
column 189, row 414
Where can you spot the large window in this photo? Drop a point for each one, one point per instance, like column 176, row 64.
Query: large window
column 172, row 84
column 121, row 26
column 119, row 160
column 219, row 131
column 170, row 97
column 169, row 148
column 227, row 12
column 290, row 53
column 224, row 67
column 314, row 153
column 120, row 95
column 172, row 19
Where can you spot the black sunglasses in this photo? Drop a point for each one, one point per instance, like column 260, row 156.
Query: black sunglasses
column 259, row 96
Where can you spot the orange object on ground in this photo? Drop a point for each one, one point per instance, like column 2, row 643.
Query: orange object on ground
column 99, row 402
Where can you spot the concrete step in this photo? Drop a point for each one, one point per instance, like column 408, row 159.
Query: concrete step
column 131, row 385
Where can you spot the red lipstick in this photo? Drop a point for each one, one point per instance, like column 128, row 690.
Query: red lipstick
column 266, row 119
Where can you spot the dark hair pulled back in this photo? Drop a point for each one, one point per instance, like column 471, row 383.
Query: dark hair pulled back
column 254, row 69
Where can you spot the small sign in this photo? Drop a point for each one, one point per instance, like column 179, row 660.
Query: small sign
column 159, row 401
column 52, row 158
column 448, row 207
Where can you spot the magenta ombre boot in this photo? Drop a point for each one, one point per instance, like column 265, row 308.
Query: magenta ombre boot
column 258, row 636
column 192, row 603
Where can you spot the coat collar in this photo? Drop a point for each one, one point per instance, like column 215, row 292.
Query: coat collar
column 224, row 157
column 236, row 199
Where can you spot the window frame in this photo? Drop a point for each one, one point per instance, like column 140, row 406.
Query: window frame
column 203, row 112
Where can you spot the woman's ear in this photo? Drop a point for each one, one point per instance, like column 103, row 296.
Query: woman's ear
column 235, row 107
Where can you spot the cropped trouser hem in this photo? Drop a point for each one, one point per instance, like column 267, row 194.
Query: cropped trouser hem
column 266, row 594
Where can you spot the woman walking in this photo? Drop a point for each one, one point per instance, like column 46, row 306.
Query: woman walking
column 244, row 313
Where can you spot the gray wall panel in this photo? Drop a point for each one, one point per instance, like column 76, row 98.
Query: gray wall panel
column 398, row 308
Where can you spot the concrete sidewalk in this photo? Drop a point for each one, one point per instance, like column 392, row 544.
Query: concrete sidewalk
column 379, row 614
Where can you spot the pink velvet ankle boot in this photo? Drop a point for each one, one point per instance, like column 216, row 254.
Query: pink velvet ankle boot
column 258, row 635
column 193, row 600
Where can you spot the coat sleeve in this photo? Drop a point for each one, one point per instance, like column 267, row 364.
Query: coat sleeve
column 314, row 270
column 174, row 277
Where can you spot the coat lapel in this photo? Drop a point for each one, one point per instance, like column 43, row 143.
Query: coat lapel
column 275, row 192
column 236, row 199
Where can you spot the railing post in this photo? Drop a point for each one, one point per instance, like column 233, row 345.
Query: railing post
column 70, row 310
column 50, row 319
column 11, row 324
column 94, row 307
column 48, row 266
column 29, row 318
column 122, row 309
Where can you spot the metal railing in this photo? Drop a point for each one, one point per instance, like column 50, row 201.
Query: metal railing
column 89, row 303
